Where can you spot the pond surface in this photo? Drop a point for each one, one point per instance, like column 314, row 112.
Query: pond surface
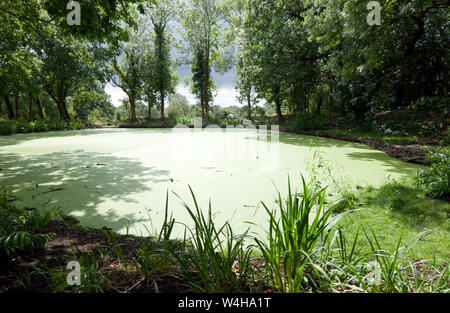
column 118, row 177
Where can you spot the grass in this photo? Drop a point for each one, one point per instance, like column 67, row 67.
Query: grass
column 401, row 209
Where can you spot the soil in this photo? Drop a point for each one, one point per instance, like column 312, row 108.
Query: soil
column 69, row 241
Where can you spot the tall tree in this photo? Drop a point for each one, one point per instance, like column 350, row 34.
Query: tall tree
column 161, row 14
column 202, row 21
column 279, row 53
column 129, row 66
column 67, row 64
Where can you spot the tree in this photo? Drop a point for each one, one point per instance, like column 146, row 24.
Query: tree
column 202, row 21
column 161, row 14
column 127, row 66
column 235, row 17
column 100, row 19
column 94, row 99
column 38, row 46
column 68, row 63
column 178, row 105
column 388, row 66
column 277, row 54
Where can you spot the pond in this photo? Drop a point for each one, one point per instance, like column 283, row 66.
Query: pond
column 120, row 177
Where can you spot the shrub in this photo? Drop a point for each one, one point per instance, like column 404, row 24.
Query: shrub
column 436, row 179
column 40, row 126
column 445, row 139
column 7, row 128
column 75, row 125
column 305, row 121
column 57, row 125
column 23, row 127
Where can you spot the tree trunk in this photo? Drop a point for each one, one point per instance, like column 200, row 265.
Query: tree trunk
column 331, row 101
column 133, row 109
column 319, row 104
column 278, row 102
column 149, row 112
column 160, row 44
column 343, row 108
column 61, row 101
column 249, row 104
column 30, row 107
column 9, row 108
column 161, row 94
column 39, row 107
column 206, row 80
column 16, row 104
column 61, row 104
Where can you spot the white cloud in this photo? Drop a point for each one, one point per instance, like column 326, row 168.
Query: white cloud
column 116, row 94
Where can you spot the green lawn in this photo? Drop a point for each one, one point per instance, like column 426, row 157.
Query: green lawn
column 401, row 210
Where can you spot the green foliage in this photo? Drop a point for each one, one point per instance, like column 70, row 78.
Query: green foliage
column 93, row 105
column 218, row 256
column 19, row 228
column 445, row 139
column 436, row 179
column 40, row 126
column 57, row 125
column 75, row 125
column 148, row 262
column 404, row 122
column 292, row 238
column 23, row 127
column 324, row 174
column 7, row 128
column 309, row 122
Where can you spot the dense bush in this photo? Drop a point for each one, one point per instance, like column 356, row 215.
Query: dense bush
column 57, row 125
column 405, row 122
column 7, row 128
column 436, row 179
column 23, row 127
column 75, row 125
column 305, row 121
column 445, row 139
column 40, row 126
